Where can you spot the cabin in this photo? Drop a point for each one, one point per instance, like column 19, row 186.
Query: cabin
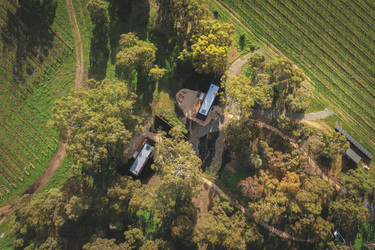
column 142, row 156
column 207, row 102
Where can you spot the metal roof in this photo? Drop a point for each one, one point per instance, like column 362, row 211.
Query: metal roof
column 208, row 100
column 352, row 155
column 354, row 142
column 141, row 159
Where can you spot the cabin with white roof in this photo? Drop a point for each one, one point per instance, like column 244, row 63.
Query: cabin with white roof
column 207, row 102
column 142, row 157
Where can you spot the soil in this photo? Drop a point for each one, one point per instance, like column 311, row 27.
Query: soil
column 61, row 151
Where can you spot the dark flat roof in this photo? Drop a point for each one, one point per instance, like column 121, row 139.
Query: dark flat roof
column 354, row 142
column 352, row 155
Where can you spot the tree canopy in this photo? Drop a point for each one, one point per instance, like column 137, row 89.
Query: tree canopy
column 137, row 55
column 275, row 84
column 329, row 145
column 241, row 136
column 359, row 185
column 348, row 215
column 98, row 13
column 178, row 166
column 209, row 46
column 223, row 228
column 102, row 122
column 241, row 95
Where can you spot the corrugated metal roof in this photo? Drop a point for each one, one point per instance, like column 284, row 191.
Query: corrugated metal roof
column 352, row 155
column 354, row 142
column 141, row 159
column 208, row 100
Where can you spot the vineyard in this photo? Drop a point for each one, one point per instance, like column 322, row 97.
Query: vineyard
column 332, row 41
column 34, row 50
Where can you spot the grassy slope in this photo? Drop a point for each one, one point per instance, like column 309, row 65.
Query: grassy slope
column 319, row 38
column 35, row 111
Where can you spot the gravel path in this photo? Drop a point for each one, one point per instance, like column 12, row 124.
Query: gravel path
column 235, row 68
column 274, row 114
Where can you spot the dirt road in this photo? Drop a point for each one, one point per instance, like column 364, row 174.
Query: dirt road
column 77, row 43
column 61, row 151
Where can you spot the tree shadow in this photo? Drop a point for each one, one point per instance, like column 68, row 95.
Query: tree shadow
column 99, row 54
column 225, row 159
column 27, row 37
column 127, row 16
column 207, row 149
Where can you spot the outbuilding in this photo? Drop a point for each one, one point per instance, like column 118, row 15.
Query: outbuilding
column 207, row 102
column 142, row 156
column 353, row 155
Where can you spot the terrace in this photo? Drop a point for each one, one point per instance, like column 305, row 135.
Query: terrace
column 198, row 106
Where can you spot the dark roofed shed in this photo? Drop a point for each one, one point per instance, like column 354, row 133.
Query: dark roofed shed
column 352, row 155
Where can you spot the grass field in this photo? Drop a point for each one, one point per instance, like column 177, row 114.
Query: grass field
column 331, row 40
column 37, row 67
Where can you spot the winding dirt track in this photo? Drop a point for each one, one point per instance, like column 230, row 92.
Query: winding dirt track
column 276, row 231
column 314, row 167
column 61, row 151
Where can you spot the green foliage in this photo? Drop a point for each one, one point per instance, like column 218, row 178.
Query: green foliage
column 280, row 163
column 38, row 218
column 182, row 230
column 319, row 187
column 7, row 230
column 328, row 146
column 156, row 73
column 209, row 42
column 336, row 69
column 256, row 60
column 255, row 161
column 358, row 184
column 103, row 122
column 285, row 123
column 124, row 196
column 42, row 67
column 105, row 244
column 76, row 207
column 241, row 136
column 134, row 237
column 170, row 117
column 275, row 84
column 210, row 46
column 365, row 237
column 135, row 54
column 347, row 215
column 173, row 18
column 221, row 228
column 299, row 101
column 230, row 179
column 323, row 229
column 283, row 195
column 241, row 95
column 98, row 13
column 178, row 166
